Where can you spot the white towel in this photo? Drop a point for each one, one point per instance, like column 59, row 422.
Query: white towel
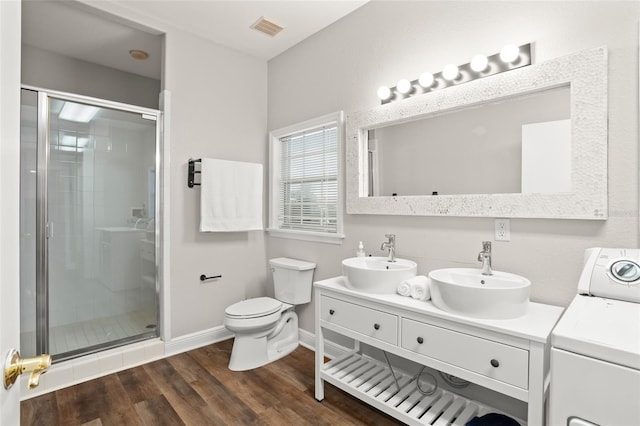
column 404, row 289
column 419, row 287
column 230, row 196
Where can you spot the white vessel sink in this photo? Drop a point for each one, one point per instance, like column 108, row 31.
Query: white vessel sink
column 376, row 274
column 466, row 291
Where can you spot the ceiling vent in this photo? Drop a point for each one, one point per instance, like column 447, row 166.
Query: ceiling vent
column 266, row 26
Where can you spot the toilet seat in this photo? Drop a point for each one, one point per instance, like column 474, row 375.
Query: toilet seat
column 253, row 308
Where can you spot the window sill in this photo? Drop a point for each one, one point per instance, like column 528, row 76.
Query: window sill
column 307, row 236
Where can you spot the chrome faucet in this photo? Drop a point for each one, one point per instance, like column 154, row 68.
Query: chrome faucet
column 485, row 257
column 391, row 245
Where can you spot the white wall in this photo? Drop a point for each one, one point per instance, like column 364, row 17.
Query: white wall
column 49, row 70
column 218, row 110
column 341, row 67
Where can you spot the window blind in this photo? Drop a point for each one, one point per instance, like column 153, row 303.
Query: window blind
column 308, row 189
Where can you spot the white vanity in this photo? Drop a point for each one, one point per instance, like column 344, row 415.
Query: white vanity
column 508, row 356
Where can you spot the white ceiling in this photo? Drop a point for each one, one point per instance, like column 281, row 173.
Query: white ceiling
column 72, row 29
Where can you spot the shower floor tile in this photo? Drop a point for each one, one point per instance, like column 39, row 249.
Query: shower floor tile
column 69, row 337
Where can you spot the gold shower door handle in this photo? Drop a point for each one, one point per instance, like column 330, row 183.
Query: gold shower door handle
column 14, row 366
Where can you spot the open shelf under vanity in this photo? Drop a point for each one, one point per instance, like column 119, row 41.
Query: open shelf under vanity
column 372, row 382
column 507, row 358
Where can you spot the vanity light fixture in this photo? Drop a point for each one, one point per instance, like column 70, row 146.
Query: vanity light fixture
column 510, row 53
column 426, row 80
column 404, row 86
column 384, row 93
column 450, row 72
column 479, row 63
column 510, row 57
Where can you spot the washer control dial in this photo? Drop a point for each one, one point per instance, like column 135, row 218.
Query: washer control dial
column 626, row 271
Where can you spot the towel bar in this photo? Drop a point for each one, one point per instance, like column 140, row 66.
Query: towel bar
column 192, row 172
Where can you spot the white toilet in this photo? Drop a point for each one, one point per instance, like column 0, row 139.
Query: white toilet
column 266, row 329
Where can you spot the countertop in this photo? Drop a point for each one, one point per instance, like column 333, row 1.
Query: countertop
column 535, row 325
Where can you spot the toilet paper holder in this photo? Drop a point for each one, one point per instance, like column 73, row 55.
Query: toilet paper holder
column 203, row 277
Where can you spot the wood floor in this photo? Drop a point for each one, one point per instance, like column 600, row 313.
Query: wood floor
column 197, row 388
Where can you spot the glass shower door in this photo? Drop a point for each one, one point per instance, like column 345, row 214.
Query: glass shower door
column 97, row 227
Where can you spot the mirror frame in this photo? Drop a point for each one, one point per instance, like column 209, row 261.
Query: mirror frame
column 584, row 72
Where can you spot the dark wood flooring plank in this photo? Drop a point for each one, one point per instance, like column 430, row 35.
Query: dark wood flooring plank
column 124, row 417
column 189, row 405
column 283, row 415
column 197, row 388
column 138, row 385
column 41, row 410
column 243, row 384
column 295, row 369
column 223, row 400
column 96, row 422
column 157, row 411
column 81, row 404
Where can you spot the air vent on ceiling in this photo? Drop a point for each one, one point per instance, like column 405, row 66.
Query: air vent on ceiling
column 266, row 26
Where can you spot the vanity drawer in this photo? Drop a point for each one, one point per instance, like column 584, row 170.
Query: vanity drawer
column 495, row 360
column 370, row 322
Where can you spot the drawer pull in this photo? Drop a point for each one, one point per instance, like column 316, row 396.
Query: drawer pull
column 495, row 363
column 376, row 326
column 420, row 340
column 331, row 312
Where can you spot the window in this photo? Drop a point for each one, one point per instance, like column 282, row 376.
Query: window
column 305, row 180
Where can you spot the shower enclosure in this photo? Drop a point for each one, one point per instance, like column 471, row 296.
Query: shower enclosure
column 88, row 229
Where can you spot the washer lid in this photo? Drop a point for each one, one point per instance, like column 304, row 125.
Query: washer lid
column 256, row 307
column 600, row 328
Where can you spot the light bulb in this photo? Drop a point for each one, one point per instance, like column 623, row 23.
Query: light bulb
column 450, row 72
column 479, row 63
column 384, row 93
column 509, row 53
column 426, row 79
column 403, row 86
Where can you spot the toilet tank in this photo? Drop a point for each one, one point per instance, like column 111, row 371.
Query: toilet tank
column 292, row 280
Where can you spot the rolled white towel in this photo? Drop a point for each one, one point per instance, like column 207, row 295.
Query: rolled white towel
column 404, row 289
column 420, row 287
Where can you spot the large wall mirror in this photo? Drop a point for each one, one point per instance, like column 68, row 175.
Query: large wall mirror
column 531, row 142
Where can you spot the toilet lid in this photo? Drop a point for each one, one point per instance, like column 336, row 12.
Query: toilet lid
column 256, row 307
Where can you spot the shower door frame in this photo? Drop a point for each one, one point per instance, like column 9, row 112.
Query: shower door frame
column 43, row 229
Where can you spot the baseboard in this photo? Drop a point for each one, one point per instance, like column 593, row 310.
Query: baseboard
column 220, row 333
column 111, row 361
column 197, row 340
column 331, row 349
column 93, row 366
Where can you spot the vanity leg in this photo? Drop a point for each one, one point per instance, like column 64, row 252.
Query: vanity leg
column 538, row 372
column 319, row 364
column 319, row 350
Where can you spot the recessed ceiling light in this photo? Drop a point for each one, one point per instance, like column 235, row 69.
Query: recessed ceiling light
column 79, row 113
column 266, row 26
column 138, row 54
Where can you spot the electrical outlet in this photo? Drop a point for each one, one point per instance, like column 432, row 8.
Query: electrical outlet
column 503, row 230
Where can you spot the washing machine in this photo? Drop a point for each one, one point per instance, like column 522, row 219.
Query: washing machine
column 595, row 347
